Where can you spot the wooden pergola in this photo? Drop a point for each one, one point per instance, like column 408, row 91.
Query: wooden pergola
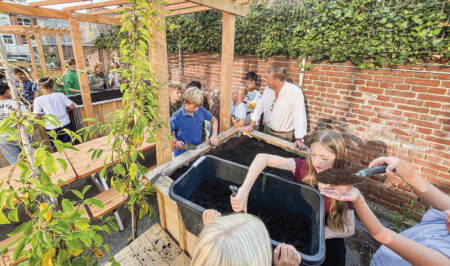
column 106, row 12
column 37, row 32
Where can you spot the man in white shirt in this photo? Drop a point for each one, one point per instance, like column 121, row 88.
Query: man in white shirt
column 283, row 106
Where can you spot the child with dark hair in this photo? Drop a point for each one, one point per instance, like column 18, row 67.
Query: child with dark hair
column 70, row 78
column 30, row 89
column 10, row 149
column 54, row 103
column 253, row 95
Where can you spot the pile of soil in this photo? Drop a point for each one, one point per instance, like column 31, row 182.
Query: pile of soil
column 98, row 96
column 287, row 227
column 242, row 150
column 338, row 176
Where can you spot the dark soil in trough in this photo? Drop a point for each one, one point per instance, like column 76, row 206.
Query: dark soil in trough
column 98, row 96
column 242, row 150
column 290, row 228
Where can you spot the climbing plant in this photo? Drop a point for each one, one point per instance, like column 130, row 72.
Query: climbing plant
column 365, row 32
column 139, row 120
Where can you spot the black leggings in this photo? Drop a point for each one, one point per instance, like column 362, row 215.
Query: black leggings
column 61, row 135
column 335, row 254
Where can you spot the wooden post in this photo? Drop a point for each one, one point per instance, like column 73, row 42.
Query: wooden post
column 33, row 59
column 226, row 79
column 75, row 34
column 41, row 54
column 158, row 59
column 61, row 54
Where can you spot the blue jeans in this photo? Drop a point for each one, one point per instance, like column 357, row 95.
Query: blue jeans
column 10, row 150
column 60, row 134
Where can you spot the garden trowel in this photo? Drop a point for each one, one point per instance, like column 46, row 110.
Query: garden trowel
column 345, row 176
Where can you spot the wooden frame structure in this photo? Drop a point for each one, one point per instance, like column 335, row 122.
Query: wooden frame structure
column 158, row 53
column 37, row 32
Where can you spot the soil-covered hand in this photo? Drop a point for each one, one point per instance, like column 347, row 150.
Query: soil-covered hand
column 214, row 140
column 209, row 216
column 239, row 202
column 300, row 145
column 286, row 255
column 179, row 144
column 248, row 128
column 341, row 192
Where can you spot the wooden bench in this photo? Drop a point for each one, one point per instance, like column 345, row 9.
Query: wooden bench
column 7, row 259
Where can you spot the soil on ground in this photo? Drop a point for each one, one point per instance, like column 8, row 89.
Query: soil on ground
column 98, row 96
column 242, row 150
column 287, row 227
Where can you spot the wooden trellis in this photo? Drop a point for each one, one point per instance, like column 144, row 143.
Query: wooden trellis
column 107, row 12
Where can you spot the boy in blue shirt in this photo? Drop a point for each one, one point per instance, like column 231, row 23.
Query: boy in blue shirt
column 186, row 124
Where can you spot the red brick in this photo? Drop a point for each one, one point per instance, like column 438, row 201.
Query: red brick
column 442, row 76
column 422, row 123
column 440, row 181
column 440, row 133
column 413, row 109
column 390, row 72
column 371, row 89
column 434, row 159
column 424, row 130
column 423, row 75
column 438, row 140
column 389, row 79
column 372, row 83
column 437, row 98
column 402, row 87
column 438, row 91
column 365, row 76
column 433, row 105
column 359, row 82
column 406, row 74
column 445, row 155
column 440, row 113
column 425, row 82
column 381, row 103
column 419, row 89
column 387, row 85
column 407, row 94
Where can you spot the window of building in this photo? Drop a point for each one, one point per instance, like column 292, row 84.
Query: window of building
column 24, row 39
column 24, row 21
column 8, row 39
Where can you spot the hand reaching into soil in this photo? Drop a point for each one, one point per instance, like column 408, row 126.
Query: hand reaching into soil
column 214, row 140
column 286, row 255
column 209, row 216
column 179, row 144
column 239, row 202
column 341, row 192
column 300, row 145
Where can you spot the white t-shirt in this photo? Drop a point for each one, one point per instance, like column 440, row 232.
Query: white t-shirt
column 251, row 99
column 54, row 104
column 6, row 107
column 241, row 113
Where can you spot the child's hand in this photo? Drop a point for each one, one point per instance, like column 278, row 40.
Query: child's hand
column 209, row 216
column 234, row 121
column 341, row 192
column 179, row 144
column 214, row 140
column 286, row 255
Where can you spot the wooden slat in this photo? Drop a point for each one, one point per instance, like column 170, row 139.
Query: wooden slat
column 228, row 6
column 96, row 5
column 162, row 211
column 126, row 257
column 181, row 232
column 108, row 11
column 158, row 59
column 226, row 80
column 179, row 6
column 54, row 2
column 146, row 252
column 41, row 54
column 98, row 19
column 78, row 52
column 33, row 59
column 61, row 53
column 188, row 11
column 111, row 199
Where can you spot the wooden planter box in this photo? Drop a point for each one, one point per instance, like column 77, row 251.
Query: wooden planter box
column 101, row 111
column 168, row 211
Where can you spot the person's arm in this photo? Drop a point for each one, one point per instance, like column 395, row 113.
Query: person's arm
column 214, row 139
column 259, row 110
column 239, row 202
column 408, row 249
column 349, row 228
column 241, row 114
column 421, row 187
column 68, row 85
column 300, row 121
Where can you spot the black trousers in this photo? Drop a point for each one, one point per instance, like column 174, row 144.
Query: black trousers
column 335, row 254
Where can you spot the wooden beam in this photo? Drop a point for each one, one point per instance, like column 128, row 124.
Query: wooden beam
column 61, row 53
column 226, row 75
column 96, row 5
column 53, row 13
column 53, row 2
column 229, row 6
column 158, row 59
column 41, row 54
column 187, row 11
column 179, row 6
column 78, row 53
column 108, row 11
column 33, row 59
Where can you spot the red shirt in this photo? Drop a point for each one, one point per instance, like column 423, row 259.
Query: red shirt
column 301, row 169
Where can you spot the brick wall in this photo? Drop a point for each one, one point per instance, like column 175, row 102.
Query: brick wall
column 404, row 112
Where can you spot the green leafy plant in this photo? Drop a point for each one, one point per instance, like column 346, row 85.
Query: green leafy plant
column 47, row 235
column 369, row 33
column 139, row 120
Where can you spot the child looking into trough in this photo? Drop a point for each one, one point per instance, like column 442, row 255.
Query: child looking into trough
column 327, row 151
column 54, row 103
column 186, row 124
column 175, row 101
column 239, row 115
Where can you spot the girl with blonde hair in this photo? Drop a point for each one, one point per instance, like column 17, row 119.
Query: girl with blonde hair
column 239, row 239
column 327, row 151
column 97, row 79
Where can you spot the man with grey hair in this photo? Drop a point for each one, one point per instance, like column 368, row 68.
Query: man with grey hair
column 283, row 106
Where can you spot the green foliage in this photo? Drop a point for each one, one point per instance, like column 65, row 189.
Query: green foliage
column 48, row 235
column 365, row 32
column 139, row 117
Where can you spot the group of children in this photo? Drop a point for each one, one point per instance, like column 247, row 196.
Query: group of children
column 49, row 103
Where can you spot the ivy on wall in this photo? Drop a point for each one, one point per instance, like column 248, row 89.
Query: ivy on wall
column 365, row 32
